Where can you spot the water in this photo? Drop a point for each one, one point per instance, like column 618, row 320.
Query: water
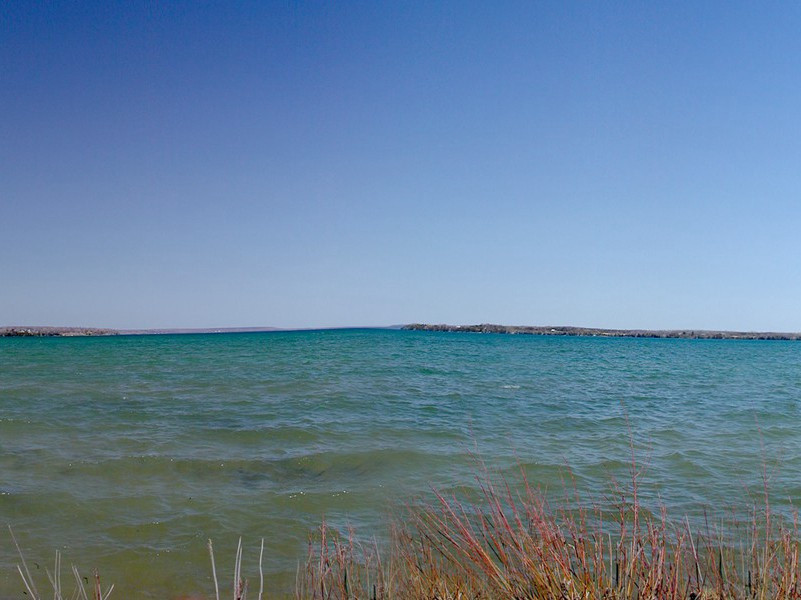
column 128, row 453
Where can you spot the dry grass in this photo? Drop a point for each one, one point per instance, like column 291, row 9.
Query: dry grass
column 514, row 544
column 240, row 586
column 510, row 542
column 79, row 591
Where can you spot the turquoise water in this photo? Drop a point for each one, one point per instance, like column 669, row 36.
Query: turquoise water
column 128, row 453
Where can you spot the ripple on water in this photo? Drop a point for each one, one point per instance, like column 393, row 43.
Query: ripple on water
column 134, row 450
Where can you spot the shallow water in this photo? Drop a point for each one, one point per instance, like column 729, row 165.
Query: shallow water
column 128, row 453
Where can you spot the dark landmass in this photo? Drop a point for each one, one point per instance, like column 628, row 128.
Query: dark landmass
column 37, row 331
column 590, row 331
column 18, row 331
column 22, row 331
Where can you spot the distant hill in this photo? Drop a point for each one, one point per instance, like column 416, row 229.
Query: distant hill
column 590, row 331
column 23, row 331
column 39, row 331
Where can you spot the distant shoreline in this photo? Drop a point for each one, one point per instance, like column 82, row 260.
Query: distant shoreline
column 47, row 331
column 18, row 331
column 698, row 334
column 695, row 334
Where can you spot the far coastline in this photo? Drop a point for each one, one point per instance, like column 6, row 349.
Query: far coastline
column 38, row 331
column 694, row 334
column 701, row 334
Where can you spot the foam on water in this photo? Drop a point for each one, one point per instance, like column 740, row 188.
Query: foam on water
column 127, row 453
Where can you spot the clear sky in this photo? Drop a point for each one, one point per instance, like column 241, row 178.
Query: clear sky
column 197, row 164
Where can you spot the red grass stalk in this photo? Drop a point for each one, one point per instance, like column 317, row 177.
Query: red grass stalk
column 514, row 545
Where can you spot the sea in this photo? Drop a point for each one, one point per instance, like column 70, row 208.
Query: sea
column 126, row 454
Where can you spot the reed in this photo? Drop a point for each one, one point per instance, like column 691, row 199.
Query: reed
column 240, row 584
column 512, row 543
column 79, row 591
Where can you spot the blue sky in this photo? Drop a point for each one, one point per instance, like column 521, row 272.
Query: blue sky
column 360, row 163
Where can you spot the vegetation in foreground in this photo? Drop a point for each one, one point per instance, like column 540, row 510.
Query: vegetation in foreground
column 80, row 591
column 515, row 544
column 511, row 544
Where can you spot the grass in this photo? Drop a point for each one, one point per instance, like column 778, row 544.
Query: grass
column 79, row 591
column 511, row 542
column 515, row 544
column 240, row 586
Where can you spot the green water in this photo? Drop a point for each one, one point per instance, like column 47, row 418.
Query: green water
column 128, row 453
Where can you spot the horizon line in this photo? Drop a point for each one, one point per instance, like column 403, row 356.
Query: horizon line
column 548, row 330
